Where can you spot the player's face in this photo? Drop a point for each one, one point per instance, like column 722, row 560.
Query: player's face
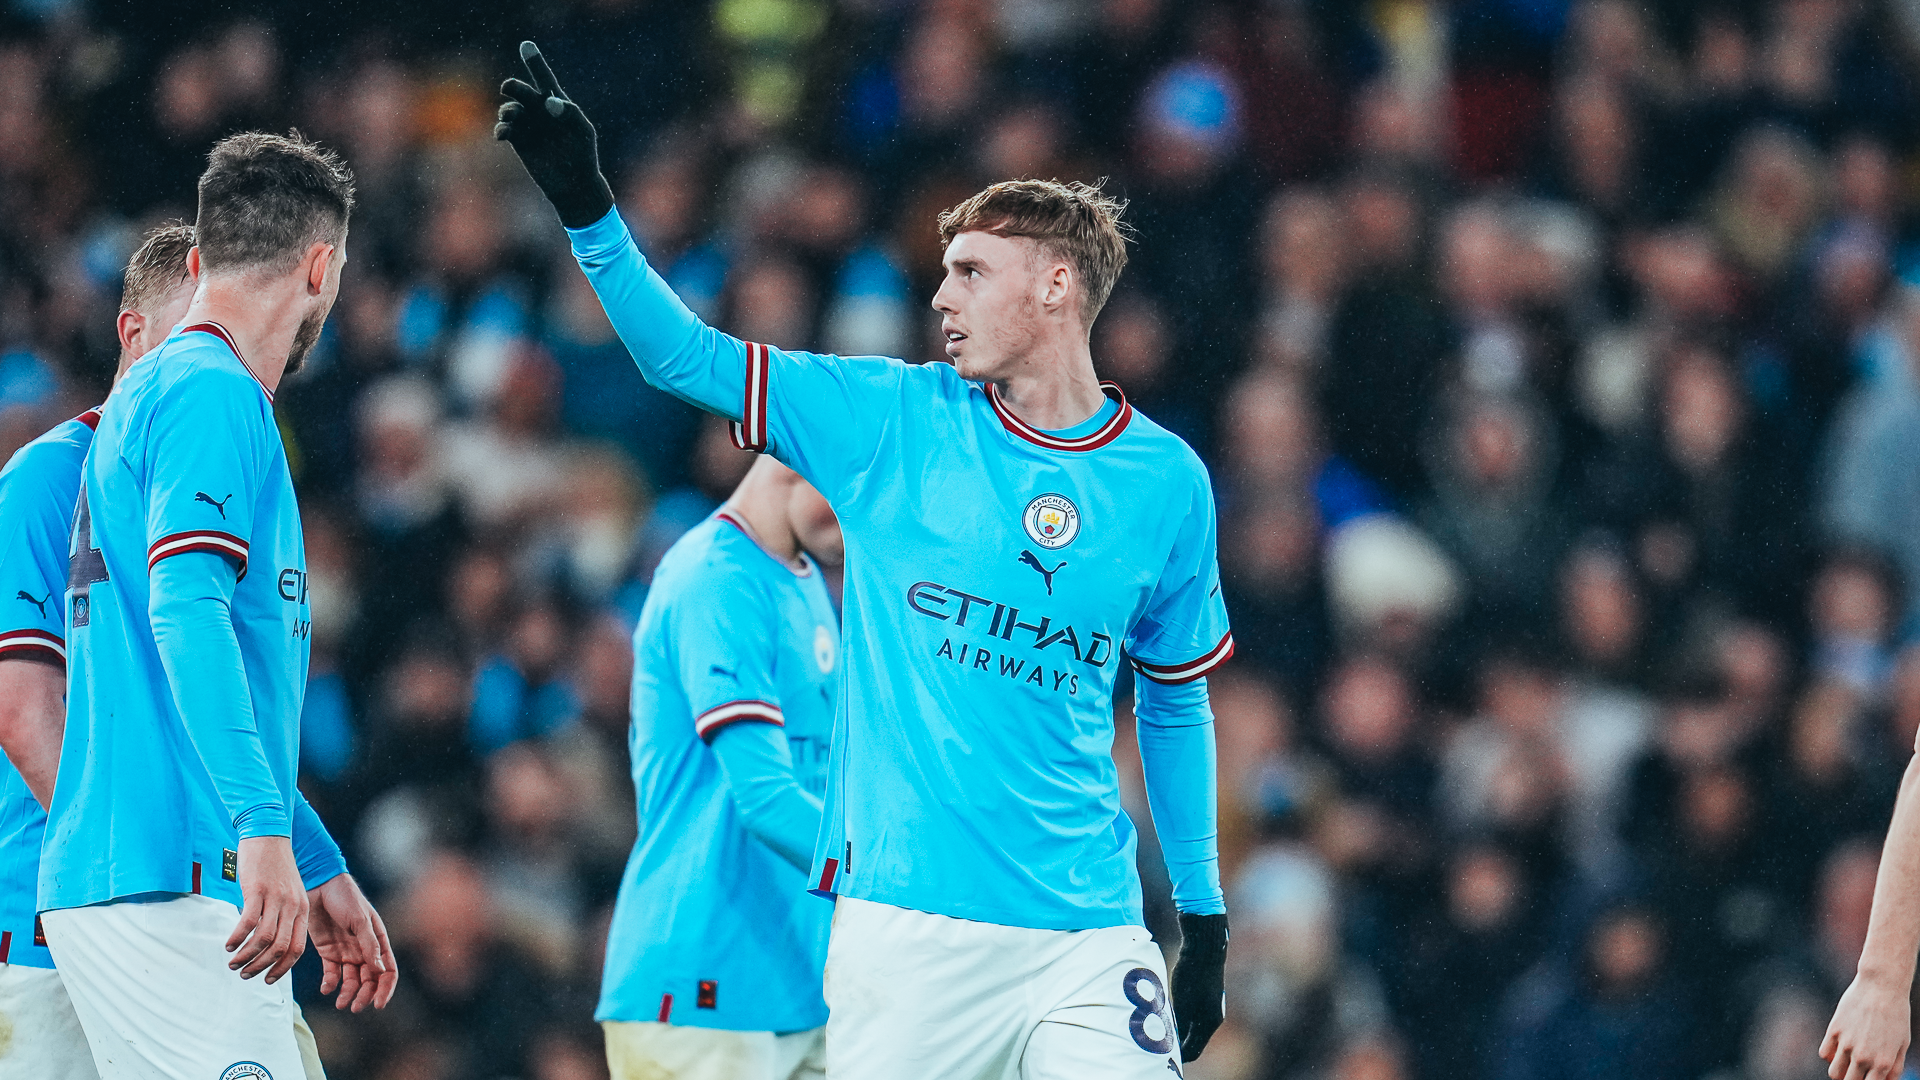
column 990, row 302
column 815, row 526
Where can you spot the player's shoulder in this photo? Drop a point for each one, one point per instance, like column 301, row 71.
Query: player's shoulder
column 715, row 555
column 192, row 368
column 58, row 451
column 1171, row 454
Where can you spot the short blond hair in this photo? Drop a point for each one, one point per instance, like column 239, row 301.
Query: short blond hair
column 157, row 265
column 1072, row 221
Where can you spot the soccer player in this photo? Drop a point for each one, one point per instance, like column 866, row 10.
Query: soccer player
column 714, row 956
column 37, row 491
column 179, row 855
column 1013, row 529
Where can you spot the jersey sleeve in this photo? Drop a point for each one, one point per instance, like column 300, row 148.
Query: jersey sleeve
column 822, row 415
column 1177, row 758
column 205, row 462
column 314, row 850
column 725, row 638
column 36, row 514
column 1184, row 633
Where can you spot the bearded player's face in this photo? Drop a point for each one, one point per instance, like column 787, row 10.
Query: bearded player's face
column 991, row 303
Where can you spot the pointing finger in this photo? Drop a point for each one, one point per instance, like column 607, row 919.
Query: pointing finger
column 542, row 74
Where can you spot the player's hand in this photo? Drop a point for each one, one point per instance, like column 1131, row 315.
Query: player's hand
column 356, row 958
column 272, row 932
column 1199, row 981
column 1868, row 1037
column 555, row 142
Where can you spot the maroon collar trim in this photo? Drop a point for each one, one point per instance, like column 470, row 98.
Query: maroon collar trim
column 1094, row 440
column 806, row 569
column 220, row 332
column 91, row 418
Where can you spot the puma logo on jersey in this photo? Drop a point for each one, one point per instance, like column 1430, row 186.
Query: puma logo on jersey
column 1028, row 558
column 217, row 504
column 40, row 603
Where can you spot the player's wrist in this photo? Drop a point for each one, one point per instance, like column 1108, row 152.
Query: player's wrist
column 1882, row 977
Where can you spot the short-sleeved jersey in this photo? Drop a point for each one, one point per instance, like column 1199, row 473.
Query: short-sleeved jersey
column 712, row 928
column 997, row 574
column 187, row 458
column 37, row 492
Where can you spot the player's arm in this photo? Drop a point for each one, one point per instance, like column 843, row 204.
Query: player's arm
column 726, row 641
column 33, row 718
column 821, row 415
column 1181, row 638
column 36, row 514
column 674, row 349
column 772, row 805
column 208, row 437
column 1868, row 1037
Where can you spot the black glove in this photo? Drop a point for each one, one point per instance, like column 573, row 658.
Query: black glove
column 555, row 142
column 1199, row 981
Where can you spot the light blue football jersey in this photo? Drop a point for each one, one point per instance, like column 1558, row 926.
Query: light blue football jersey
column 712, row 928
column 187, row 458
column 998, row 576
column 37, row 491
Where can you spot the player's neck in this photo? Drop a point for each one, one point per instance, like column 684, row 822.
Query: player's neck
column 1054, row 391
column 263, row 331
column 759, row 505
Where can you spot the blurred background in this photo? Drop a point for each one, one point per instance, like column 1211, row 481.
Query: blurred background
column 1557, row 363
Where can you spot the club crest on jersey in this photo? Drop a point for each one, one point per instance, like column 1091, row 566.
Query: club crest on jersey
column 1052, row 521
column 246, row 1070
column 824, row 647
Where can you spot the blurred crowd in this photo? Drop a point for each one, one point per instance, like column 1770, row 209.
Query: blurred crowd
column 1557, row 363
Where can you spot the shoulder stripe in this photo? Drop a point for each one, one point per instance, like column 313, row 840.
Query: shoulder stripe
column 733, row 712
column 1107, row 432
column 1189, row 671
column 220, row 332
column 199, row 540
column 750, row 431
column 33, row 645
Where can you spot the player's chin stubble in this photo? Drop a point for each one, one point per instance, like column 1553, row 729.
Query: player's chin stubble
column 304, row 339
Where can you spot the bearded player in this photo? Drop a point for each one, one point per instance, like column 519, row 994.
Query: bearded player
column 1013, row 529
column 180, row 862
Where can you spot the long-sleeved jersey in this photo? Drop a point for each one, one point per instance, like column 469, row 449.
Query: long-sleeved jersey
column 187, row 639
column 734, row 681
column 998, row 576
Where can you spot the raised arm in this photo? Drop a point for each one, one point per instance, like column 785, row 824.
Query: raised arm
column 557, row 145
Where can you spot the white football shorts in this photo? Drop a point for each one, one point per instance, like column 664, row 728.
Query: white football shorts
column 644, row 1050
column 917, row 995
column 40, row 1037
column 151, row 986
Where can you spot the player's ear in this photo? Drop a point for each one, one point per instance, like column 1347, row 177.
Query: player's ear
column 129, row 325
column 193, row 262
column 1059, row 285
column 319, row 257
